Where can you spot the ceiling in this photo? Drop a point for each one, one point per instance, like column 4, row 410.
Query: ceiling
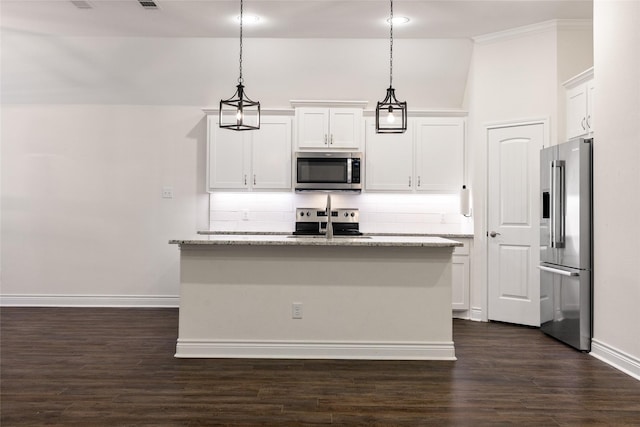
column 284, row 19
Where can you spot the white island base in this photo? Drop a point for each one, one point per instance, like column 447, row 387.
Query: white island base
column 357, row 301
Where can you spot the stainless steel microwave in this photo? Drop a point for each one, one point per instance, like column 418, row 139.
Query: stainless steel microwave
column 324, row 171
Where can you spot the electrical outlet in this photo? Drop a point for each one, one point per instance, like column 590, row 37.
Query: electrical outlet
column 167, row 192
column 296, row 310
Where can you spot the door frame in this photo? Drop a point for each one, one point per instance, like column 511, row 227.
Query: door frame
column 548, row 141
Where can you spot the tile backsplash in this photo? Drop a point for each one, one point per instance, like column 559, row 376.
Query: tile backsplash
column 379, row 213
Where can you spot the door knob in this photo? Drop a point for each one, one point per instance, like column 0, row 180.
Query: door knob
column 494, row 234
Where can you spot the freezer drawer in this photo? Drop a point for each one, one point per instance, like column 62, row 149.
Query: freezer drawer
column 565, row 305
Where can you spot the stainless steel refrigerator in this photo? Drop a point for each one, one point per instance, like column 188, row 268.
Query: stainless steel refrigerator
column 566, row 243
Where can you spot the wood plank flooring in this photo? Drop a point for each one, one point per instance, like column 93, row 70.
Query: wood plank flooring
column 115, row 366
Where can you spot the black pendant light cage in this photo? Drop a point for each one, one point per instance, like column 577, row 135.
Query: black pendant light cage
column 239, row 112
column 391, row 114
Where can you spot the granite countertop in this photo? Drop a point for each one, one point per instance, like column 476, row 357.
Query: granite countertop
column 446, row 235
column 288, row 240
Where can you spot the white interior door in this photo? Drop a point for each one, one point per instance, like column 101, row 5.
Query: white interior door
column 513, row 223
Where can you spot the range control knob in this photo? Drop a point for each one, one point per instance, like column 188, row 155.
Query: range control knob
column 308, row 213
column 353, row 214
column 346, row 214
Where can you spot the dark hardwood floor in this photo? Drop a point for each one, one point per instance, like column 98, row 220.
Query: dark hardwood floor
column 94, row 367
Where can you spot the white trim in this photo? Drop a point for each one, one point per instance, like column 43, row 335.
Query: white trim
column 295, row 103
column 189, row 348
column 618, row 359
column 15, row 300
column 541, row 27
column 510, row 123
column 427, row 113
column 578, row 79
column 477, row 316
column 268, row 111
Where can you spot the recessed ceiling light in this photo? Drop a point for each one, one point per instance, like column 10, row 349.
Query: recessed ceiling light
column 399, row 20
column 248, row 19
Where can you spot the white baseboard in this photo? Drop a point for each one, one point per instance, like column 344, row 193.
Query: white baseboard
column 618, row 359
column 476, row 315
column 14, row 300
column 314, row 350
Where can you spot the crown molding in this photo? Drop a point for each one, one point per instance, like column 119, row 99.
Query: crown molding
column 541, row 27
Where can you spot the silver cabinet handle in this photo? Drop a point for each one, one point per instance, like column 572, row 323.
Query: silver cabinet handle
column 558, row 271
column 582, row 123
column 254, row 179
column 494, row 234
column 325, row 139
column 409, row 181
column 331, row 139
column 589, row 122
column 245, row 179
column 418, row 180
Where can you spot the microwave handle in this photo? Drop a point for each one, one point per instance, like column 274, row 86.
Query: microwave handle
column 349, row 171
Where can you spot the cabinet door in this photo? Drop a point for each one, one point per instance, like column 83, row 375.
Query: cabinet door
column 344, row 127
column 439, row 154
column 312, row 127
column 228, row 157
column 590, row 101
column 460, row 282
column 577, row 111
column 389, row 160
column 271, row 154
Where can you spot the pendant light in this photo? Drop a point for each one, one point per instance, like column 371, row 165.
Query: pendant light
column 239, row 112
column 391, row 114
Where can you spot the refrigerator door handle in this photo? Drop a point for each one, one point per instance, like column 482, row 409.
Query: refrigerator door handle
column 558, row 271
column 557, row 203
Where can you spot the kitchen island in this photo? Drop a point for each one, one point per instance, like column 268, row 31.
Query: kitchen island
column 279, row 296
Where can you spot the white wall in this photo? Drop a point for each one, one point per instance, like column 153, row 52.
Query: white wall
column 617, row 183
column 94, row 127
column 200, row 71
column 82, row 212
column 510, row 80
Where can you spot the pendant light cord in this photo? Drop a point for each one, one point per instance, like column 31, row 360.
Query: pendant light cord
column 240, row 79
column 391, row 47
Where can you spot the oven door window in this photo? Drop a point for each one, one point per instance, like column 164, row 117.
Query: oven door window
column 322, row 171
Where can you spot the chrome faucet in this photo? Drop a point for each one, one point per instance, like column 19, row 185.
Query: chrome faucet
column 328, row 231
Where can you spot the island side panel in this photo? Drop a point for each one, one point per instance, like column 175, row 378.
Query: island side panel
column 352, row 296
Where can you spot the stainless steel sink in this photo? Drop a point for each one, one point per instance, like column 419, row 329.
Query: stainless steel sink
column 322, row 236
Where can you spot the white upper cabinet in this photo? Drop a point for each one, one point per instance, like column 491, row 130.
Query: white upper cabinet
column 428, row 157
column 388, row 159
column 580, row 97
column 439, row 154
column 328, row 127
column 243, row 160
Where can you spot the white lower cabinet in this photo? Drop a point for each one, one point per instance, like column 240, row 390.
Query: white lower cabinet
column 460, row 277
column 244, row 160
column 428, row 157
